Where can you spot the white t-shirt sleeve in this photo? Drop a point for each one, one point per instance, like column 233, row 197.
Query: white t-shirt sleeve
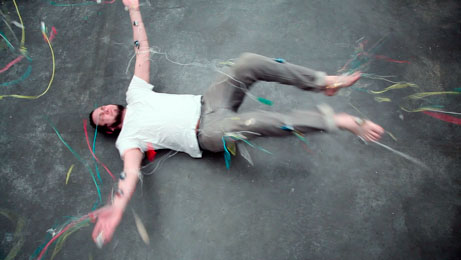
column 138, row 83
column 137, row 87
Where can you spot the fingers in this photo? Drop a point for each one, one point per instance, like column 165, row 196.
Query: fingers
column 100, row 240
column 372, row 131
column 101, row 234
column 96, row 231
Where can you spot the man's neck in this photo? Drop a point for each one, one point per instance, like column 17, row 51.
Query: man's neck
column 123, row 116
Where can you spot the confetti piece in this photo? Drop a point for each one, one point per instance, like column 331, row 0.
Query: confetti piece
column 265, row 101
column 382, row 99
column 68, row 173
column 141, row 229
column 231, row 147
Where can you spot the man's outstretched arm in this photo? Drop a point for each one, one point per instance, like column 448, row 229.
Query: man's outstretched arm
column 109, row 217
column 140, row 41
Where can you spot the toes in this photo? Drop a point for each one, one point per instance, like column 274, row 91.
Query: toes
column 376, row 136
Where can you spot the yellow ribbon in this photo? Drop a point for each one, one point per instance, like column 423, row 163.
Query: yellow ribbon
column 68, row 173
column 395, row 86
column 382, row 99
column 49, row 84
column 426, row 94
column 23, row 38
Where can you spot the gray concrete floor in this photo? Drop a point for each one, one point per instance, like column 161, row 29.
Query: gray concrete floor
column 346, row 200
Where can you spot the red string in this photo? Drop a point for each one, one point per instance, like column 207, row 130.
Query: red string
column 60, row 233
column 91, row 151
column 444, row 117
column 53, row 33
column 18, row 59
column 382, row 57
column 92, row 215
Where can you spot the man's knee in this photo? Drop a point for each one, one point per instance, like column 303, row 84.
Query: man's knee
column 246, row 63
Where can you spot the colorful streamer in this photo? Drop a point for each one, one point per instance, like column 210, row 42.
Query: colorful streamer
column 60, row 233
column 446, row 118
column 76, row 156
column 7, row 25
column 28, row 72
column 22, row 78
column 382, row 57
column 395, row 86
column 7, row 42
column 91, row 150
column 303, row 139
column 68, row 173
column 80, row 4
column 427, row 94
column 382, row 99
column 227, row 156
column 9, row 65
column 18, row 234
column 23, row 33
column 60, row 241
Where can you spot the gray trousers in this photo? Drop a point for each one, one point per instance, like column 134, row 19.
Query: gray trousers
column 222, row 100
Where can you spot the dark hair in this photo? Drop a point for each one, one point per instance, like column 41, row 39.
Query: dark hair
column 106, row 130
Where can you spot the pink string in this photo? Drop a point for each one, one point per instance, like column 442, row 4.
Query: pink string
column 92, row 216
column 443, row 117
column 382, row 57
column 53, row 33
column 59, row 234
column 18, row 59
column 91, row 151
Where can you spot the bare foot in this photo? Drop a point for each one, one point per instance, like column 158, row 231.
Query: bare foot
column 365, row 129
column 335, row 83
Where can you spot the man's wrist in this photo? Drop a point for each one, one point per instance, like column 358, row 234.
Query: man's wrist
column 119, row 204
column 132, row 8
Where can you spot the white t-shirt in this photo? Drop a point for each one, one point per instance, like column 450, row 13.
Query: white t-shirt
column 167, row 121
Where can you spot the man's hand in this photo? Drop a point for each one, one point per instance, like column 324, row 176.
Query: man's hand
column 108, row 218
column 131, row 3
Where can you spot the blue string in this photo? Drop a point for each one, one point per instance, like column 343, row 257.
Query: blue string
column 23, row 77
column 94, row 159
column 78, row 158
column 7, row 42
column 79, row 4
column 227, row 156
column 252, row 145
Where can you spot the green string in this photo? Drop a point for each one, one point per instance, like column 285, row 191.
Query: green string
column 79, row 4
column 265, row 101
column 78, row 158
column 227, row 157
column 23, row 77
